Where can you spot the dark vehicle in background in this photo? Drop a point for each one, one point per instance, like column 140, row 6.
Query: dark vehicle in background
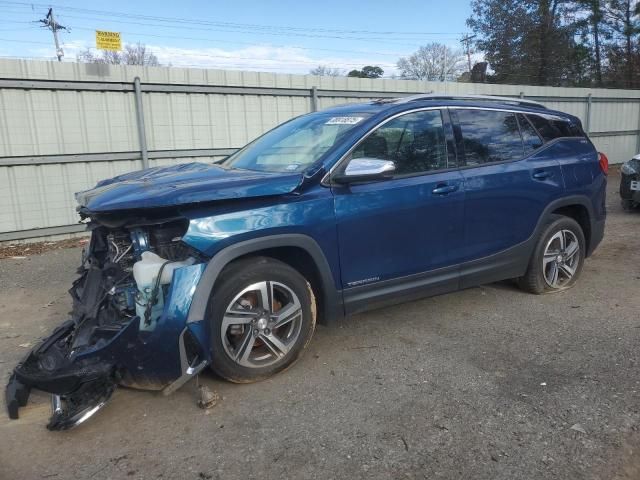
column 630, row 183
column 230, row 265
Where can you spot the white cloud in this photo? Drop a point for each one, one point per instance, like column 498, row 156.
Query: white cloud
column 255, row 58
column 260, row 57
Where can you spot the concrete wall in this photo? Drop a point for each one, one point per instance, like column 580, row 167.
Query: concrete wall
column 64, row 126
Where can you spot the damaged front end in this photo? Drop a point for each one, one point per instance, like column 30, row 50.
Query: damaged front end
column 128, row 325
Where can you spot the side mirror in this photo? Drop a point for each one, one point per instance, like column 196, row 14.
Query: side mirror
column 366, row 170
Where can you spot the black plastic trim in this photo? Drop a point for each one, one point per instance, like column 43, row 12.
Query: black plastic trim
column 400, row 290
column 332, row 300
column 509, row 263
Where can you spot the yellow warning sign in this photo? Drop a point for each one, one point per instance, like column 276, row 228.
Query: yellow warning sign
column 108, row 40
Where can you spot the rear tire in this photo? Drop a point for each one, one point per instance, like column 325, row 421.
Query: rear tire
column 262, row 317
column 557, row 259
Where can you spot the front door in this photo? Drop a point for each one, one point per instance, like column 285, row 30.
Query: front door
column 393, row 232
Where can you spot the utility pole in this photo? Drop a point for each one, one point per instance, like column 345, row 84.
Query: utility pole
column 50, row 22
column 445, row 70
column 467, row 48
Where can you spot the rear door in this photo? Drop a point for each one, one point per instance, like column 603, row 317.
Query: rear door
column 391, row 230
column 576, row 155
column 509, row 180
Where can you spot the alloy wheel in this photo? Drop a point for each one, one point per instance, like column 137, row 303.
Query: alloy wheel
column 561, row 259
column 261, row 324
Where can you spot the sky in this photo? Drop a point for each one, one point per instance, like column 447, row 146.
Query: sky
column 283, row 36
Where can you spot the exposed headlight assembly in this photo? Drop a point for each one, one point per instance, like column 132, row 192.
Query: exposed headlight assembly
column 630, row 168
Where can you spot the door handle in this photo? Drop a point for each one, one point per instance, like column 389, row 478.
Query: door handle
column 542, row 175
column 444, row 189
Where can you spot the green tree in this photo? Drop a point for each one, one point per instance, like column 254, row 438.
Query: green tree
column 622, row 54
column 367, row 72
column 591, row 14
column 560, row 42
column 527, row 41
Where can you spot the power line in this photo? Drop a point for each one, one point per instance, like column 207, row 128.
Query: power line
column 251, row 26
column 254, row 44
column 246, row 30
column 233, row 27
column 394, row 54
column 24, row 41
column 232, row 42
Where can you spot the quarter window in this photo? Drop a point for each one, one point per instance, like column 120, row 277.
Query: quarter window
column 489, row 136
column 552, row 128
column 415, row 142
column 530, row 137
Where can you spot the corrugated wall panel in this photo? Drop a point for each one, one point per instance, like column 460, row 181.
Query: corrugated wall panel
column 37, row 122
column 608, row 117
column 44, row 122
column 41, row 196
column 618, row 147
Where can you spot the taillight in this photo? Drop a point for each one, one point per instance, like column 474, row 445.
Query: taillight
column 604, row 163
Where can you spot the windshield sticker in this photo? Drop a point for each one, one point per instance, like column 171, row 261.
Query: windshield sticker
column 293, row 166
column 344, row 120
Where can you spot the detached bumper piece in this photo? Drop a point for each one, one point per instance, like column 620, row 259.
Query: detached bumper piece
column 69, row 411
column 79, row 389
column 16, row 396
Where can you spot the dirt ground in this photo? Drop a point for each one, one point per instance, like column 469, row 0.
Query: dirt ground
column 17, row 251
column 487, row 383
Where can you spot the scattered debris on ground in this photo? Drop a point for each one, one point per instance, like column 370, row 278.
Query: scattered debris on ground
column 206, row 397
column 20, row 251
column 578, row 428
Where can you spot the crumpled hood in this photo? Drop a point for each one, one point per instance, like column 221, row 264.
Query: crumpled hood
column 183, row 184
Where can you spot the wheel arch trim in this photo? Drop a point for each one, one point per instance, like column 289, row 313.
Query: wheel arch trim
column 332, row 298
column 581, row 200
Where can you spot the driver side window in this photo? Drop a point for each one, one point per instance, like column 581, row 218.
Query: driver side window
column 415, row 142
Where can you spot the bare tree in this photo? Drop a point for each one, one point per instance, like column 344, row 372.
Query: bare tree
column 432, row 62
column 136, row 54
column 324, row 71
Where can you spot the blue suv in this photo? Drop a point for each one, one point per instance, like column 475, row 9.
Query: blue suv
column 230, row 265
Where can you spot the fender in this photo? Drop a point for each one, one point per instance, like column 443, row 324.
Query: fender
column 332, row 298
column 596, row 225
column 513, row 262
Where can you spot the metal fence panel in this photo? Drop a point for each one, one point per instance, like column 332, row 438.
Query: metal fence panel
column 64, row 126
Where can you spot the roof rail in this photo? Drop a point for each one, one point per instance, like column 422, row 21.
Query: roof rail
column 489, row 98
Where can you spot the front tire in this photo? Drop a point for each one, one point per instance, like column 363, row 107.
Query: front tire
column 262, row 317
column 557, row 259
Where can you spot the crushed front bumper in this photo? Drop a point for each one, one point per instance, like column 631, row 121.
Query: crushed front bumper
column 81, row 380
column 79, row 388
column 81, row 385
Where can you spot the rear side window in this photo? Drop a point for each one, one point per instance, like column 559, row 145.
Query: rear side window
column 530, row 137
column 489, row 136
column 552, row 128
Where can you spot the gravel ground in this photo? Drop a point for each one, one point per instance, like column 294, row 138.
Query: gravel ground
column 487, row 383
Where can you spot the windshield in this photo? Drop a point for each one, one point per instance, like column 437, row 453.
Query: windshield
column 295, row 145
